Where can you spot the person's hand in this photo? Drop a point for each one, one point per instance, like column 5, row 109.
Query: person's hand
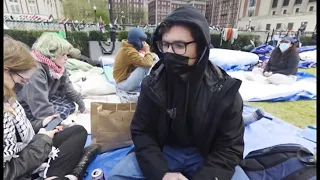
column 48, row 119
column 267, row 74
column 59, row 128
column 146, row 47
column 174, row 176
column 48, row 133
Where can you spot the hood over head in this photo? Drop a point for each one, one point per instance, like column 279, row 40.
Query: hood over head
column 196, row 21
column 135, row 37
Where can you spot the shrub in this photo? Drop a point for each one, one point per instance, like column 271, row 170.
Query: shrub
column 80, row 39
column 122, row 35
column 307, row 41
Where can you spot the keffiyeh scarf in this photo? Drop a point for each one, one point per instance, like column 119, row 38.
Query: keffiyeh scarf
column 55, row 71
column 13, row 121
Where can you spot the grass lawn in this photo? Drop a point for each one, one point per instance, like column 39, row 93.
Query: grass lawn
column 298, row 113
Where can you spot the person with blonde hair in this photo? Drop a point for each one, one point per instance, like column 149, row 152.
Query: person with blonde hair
column 29, row 150
column 50, row 90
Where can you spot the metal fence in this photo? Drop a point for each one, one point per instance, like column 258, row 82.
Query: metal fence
column 51, row 26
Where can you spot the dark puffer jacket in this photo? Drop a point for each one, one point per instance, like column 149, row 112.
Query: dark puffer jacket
column 215, row 116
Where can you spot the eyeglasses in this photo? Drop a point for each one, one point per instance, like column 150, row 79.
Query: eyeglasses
column 179, row 48
column 24, row 80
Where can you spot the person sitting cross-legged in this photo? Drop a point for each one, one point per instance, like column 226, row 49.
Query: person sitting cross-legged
column 50, row 91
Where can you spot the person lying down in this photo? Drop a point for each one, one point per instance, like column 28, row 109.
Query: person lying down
column 282, row 67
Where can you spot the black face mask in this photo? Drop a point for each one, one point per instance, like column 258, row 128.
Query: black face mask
column 177, row 64
column 17, row 87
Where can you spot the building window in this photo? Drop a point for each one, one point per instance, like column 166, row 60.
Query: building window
column 273, row 12
column 268, row 27
column 298, row 2
column 15, row 6
column 278, row 26
column 297, row 10
column 252, row 3
column 286, row 2
column 285, row 11
column 250, row 13
column 33, row 10
column 290, row 26
column 311, row 8
column 274, row 3
column 15, row 9
column 312, row 0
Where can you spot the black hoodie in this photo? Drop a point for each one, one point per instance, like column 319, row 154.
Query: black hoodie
column 213, row 120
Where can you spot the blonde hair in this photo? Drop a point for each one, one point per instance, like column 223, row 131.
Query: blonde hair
column 16, row 58
column 51, row 44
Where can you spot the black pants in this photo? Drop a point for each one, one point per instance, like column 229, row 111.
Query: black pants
column 70, row 142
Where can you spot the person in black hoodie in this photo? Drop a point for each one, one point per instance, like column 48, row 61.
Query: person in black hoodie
column 188, row 121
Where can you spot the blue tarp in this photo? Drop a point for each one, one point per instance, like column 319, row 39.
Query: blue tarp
column 261, row 134
column 262, row 49
column 307, row 64
column 306, row 48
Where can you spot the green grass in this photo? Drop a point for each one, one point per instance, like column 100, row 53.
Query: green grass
column 298, row 113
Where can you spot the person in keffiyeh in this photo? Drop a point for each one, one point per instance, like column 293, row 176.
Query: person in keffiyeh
column 29, row 150
column 50, row 90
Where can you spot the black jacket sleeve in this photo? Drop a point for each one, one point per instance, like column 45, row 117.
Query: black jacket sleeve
column 30, row 158
column 292, row 65
column 227, row 150
column 148, row 153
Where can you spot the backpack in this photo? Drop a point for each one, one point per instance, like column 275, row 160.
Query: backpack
column 280, row 162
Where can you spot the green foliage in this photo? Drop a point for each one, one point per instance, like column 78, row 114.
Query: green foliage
column 27, row 37
column 104, row 13
column 82, row 10
column 243, row 40
column 307, row 41
column 98, row 36
column 122, row 35
column 81, row 39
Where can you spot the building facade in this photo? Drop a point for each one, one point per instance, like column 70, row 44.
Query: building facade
column 222, row 12
column 34, row 7
column 159, row 9
column 281, row 15
column 128, row 11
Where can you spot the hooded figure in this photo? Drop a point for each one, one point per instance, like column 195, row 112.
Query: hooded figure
column 136, row 36
column 132, row 62
column 188, row 118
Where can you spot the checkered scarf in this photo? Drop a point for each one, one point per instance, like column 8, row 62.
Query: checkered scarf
column 55, row 71
column 13, row 121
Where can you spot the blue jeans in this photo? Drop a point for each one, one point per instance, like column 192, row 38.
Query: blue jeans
column 183, row 160
column 133, row 81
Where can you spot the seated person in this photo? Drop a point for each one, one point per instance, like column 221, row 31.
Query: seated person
column 133, row 61
column 27, row 145
column 282, row 66
column 50, row 90
column 188, row 121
